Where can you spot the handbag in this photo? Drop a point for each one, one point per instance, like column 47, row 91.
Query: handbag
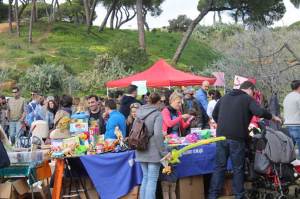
column 4, row 159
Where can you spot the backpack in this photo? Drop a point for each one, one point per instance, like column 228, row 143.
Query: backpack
column 4, row 159
column 139, row 136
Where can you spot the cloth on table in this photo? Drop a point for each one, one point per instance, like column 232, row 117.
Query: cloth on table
column 28, row 170
column 113, row 174
column 198, row 161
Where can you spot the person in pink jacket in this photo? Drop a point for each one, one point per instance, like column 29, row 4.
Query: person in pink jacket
column 173, row 123
column 173, row 120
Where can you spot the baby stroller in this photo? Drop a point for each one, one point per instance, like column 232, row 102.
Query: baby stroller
column 268, row 164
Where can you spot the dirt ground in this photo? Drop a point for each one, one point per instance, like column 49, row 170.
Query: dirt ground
column 4, row 27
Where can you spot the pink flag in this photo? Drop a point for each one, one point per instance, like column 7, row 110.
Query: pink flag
column 220, row 78
column 238, row 80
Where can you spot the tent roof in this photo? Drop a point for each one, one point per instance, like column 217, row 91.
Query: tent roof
column 159, row 75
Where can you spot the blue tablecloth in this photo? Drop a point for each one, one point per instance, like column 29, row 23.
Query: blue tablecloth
column 113, row 174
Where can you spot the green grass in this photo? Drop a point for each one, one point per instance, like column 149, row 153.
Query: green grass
column 69, row 44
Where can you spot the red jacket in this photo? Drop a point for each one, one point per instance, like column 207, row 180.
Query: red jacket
column 168, row 122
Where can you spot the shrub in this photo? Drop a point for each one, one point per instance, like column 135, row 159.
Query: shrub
column 128, row 53
column 47, row 78
column 37, row 60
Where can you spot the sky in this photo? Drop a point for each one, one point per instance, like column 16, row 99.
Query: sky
column 173, row 8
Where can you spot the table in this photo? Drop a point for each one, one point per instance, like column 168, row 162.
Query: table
column 113, row 174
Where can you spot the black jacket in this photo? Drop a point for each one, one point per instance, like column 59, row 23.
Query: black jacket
column 233, row 114
column 125, row 103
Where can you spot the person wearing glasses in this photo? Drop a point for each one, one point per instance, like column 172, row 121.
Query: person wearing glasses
column 16, row 114
column 129, row 122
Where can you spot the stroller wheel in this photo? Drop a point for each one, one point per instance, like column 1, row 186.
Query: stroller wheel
column 283, row 197
column 269, row 196
column 253, row 194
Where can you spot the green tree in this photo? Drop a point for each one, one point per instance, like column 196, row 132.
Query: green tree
column 3, row 12
column 180, row 24
column 252, row 11
column 296, row 3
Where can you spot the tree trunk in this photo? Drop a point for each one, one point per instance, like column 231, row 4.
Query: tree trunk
column 140, row 23
column 112, row 17
column 31, row 22
column 92, row 13
column 214, row 18
column 47, row 12
column 35, row 17
column 22, row 10
column 189, row 32
column 10, row 16
column 219, row 16
column 87, row 12
column 17, row 17
column 103, row 24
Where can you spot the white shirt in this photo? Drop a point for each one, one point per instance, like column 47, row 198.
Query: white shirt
column 291, row 109
column 210, row 107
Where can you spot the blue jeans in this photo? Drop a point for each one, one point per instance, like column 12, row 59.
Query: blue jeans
column 150, row 177
column 236, row 151
column 15, row 129
column 294, row 132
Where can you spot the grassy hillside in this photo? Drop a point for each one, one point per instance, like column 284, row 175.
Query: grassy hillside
column 68, row 44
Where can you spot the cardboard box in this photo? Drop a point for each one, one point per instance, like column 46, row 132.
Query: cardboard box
column 191, row 188
column 133, row 194
column 7, row 191
column 21, row 186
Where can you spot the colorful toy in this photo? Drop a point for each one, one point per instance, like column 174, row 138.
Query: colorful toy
column 192, row 138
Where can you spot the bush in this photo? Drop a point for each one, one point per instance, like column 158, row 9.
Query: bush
column 105, row 69
column 37, row 60
column 47, row 78
column 41, row 9
column 128, row 53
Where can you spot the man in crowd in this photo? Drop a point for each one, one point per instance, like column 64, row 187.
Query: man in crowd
column 128, row 99
column 95, row 112
column 16, row 114
column 291, row 108
column 35, row 110
column 201, row 95
column 115, row 120
column 3, row 114
column 233, row 114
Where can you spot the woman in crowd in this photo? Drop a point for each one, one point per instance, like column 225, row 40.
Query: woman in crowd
column 129, row 122
column 191, row 106
column 51, row 111
column 215, row 96
column 150, row 158
column 173, row 123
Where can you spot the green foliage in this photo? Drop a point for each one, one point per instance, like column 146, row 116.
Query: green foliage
column 37, row 60
column 218, row 31
column 41, row 10
column 180, row 24
column 47, row 78
column 128, row 53
column 105, row 69
column 3, row 12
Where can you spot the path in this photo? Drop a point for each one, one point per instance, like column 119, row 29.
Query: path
column 4, row 27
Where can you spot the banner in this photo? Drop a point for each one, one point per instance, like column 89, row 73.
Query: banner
column 220, row 78
column 142, row 86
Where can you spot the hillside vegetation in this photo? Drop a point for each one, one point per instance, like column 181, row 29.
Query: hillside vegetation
column 71, row 46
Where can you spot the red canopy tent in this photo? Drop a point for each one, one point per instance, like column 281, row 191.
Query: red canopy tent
column 159, row 75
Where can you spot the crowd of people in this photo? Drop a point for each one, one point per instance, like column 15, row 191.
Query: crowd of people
column 168, row 112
